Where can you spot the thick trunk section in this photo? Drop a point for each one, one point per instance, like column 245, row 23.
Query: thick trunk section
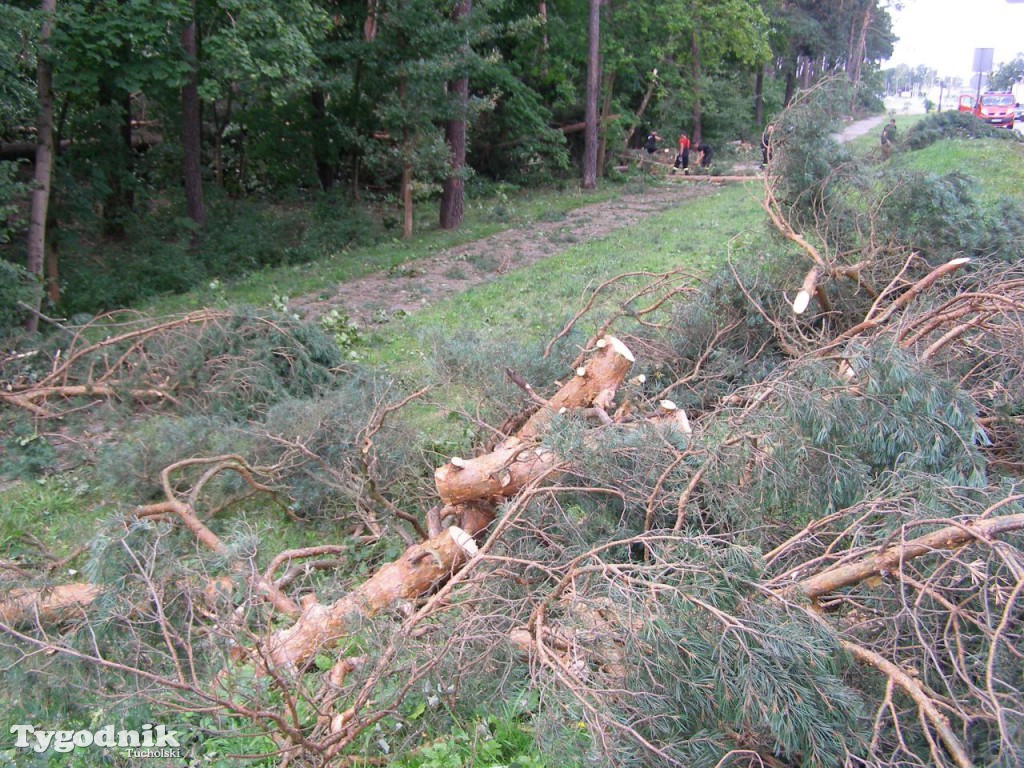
column 606, row 116
column 453, row 193
column 421, row 568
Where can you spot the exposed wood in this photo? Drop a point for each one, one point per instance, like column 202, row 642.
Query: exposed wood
column 501, row 473
column 602, row 376
column 888, row 561
column 46, row 605
column 916, row 691
column 420, row 568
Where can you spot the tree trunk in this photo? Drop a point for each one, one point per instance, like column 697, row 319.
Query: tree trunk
column 191, row 130
column 593, row 88
column 759, row 98
column 453, row 193
column 606, row 115
column 643, row 108
column 324, row 166
column 44, row 158
column 857, row 56
column 695, row 51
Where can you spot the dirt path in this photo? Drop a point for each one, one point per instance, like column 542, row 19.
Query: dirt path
column 859, row 128
column 380, row 296
column 414, row 285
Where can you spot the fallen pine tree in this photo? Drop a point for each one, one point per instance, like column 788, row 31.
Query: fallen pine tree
column 743, row 530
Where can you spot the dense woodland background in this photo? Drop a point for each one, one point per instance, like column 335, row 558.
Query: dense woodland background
column 739, row 487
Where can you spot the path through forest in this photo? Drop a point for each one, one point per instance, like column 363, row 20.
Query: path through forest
column 380, row 296
column 416, row 284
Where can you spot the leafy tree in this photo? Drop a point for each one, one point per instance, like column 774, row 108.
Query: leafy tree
column 1007, row 74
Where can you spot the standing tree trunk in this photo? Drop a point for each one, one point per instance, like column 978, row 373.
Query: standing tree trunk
column 453, row 193
column 44, row 157
column 857, row 52
column 759, row 97
column 406, row 191
column 695, row 50
column 191, row 127
column 606, row 113
column 325, row 171
column 790, row 86
column 593, row 88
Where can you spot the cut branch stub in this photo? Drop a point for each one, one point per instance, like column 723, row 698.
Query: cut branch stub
column 501, row 473
column 595, row 381
column 420, row 568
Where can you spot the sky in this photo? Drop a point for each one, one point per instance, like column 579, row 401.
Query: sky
column 942, row 34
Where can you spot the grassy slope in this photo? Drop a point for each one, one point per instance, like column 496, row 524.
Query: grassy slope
column 533, row 304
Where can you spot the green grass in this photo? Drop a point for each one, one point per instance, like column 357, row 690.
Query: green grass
column 533, row 303
column 483, row 217
column 48, row 517
column 997, row 167
column 870, row 143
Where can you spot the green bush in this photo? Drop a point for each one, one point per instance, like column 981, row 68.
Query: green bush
column 16, row 284
column 952, row 125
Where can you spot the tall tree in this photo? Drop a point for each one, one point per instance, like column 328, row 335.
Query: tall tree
column 593, row 88
column 44, row 155
column 191, row 127
column 453, row 191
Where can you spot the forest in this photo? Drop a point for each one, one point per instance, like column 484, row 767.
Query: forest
column 737, row 484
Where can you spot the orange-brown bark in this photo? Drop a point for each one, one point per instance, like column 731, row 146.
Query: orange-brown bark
column 420, row 568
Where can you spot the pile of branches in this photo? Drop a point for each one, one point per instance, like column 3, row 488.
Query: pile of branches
column 772, row 521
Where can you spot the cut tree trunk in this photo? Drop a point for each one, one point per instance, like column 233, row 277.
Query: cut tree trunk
column 421, row 568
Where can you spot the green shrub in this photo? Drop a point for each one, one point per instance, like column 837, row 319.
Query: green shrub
column 16, row 284
column 952, row 125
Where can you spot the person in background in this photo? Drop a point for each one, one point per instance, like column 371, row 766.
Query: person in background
column 651, row 145
column 766, row 145
column 889, row 138
column 706, row 153
column 683, row 157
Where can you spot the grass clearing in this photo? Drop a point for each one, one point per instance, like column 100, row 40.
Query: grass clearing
column 533, row 303
column 997, row 167
column 338, row 263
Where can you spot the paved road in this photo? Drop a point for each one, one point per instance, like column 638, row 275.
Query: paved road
column 859, row 128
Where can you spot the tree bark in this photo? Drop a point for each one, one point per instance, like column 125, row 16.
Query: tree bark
column 44, row 158
column 453, row 192
column 695, row 51
column 325, row 171
column 190, row 128
column 417, row 571
column 593, row 89
column 948, row 538
column 759, row 97
column 606, row 116
column 790, row 86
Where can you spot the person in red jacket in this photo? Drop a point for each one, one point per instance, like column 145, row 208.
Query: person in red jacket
column 683, row 158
